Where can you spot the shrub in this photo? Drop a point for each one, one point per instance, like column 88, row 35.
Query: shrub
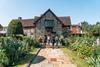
column 28, row 44
column 95, row 58
column 1, row 27
column 14, row 28
column 85, row 49
column 3, row 58
column 12, row 50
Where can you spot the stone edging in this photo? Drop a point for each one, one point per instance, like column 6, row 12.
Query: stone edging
column 33, row 58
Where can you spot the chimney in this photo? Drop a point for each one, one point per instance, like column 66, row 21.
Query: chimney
column 20, row 18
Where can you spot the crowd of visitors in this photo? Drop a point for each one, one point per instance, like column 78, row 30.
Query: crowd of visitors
column 54, row 40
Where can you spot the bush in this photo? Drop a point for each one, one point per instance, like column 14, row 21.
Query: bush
column 15, row 28
column 3, row 58
column 13, row 50
column 85, row 49
column 95, row 58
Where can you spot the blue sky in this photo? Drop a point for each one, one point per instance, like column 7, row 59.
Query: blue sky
column 78, row 10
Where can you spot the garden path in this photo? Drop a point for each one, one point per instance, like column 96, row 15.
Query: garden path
column 49, row 57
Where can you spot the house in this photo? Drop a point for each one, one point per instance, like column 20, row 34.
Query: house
column 28, row 26
column 76, row 29
column 46, row 24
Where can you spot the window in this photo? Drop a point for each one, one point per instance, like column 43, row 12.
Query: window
column 49, row 23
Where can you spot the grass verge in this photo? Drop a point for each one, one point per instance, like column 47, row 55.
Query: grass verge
column 77, row 60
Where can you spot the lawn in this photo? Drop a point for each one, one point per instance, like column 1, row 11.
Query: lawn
column 72, row 55
column 29, row 57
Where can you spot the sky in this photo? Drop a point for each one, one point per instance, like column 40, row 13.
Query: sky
column 78, row 10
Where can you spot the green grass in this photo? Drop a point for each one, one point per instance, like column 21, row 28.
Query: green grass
column 72, row 55
column 28, row 58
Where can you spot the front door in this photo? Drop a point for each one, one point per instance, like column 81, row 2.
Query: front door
column 49, row 30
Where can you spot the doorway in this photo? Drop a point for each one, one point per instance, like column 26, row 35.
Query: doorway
column 49, row 30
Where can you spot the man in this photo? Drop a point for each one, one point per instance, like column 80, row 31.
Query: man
column 53, row 41
column 56, row 40
column 45, row 39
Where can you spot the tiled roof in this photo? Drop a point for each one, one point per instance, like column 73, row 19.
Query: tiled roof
column 65, row 20
column 52, row 14
column 27, row 22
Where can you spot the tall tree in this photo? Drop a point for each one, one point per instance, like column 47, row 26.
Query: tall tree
column 96, row 28
column 85, row 26
column 1, row 27
column 91, row 29
column 15, row 28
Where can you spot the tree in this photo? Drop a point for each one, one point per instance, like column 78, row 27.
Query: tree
column 97, row 23
column 96, row 29
column 91, row 29
column 15, row 28
column 85, row 26
column 1, row 27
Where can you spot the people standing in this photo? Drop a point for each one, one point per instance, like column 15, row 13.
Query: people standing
column 62, row 40
column 56, row 40
column 53, row 41
column 48, row 40
column 40, row 41
column 45, row 39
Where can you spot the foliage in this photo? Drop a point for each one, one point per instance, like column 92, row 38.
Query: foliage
column 91, row 29
column 15, row 28
column 95, row 58
column 75, row 58
column 13, row 50
column 84, row 47
column 1, row 27
column 28, row 44
column 3, row 58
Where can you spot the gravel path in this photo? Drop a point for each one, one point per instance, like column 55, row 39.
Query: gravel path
column 49, row 57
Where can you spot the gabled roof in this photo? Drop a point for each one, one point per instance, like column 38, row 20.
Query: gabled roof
column 64, row 20
column 46, row 13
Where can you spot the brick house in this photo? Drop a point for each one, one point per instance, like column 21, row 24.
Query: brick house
column 76, row 29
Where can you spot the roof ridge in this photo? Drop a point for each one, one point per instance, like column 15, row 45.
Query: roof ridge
column 28, row 19
column 63, row 16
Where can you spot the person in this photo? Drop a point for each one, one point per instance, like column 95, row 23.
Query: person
column 45, row 39
column 40, row 41
column 56, row 40
column 53, row 41
column 48, row 40
column 62, row 40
